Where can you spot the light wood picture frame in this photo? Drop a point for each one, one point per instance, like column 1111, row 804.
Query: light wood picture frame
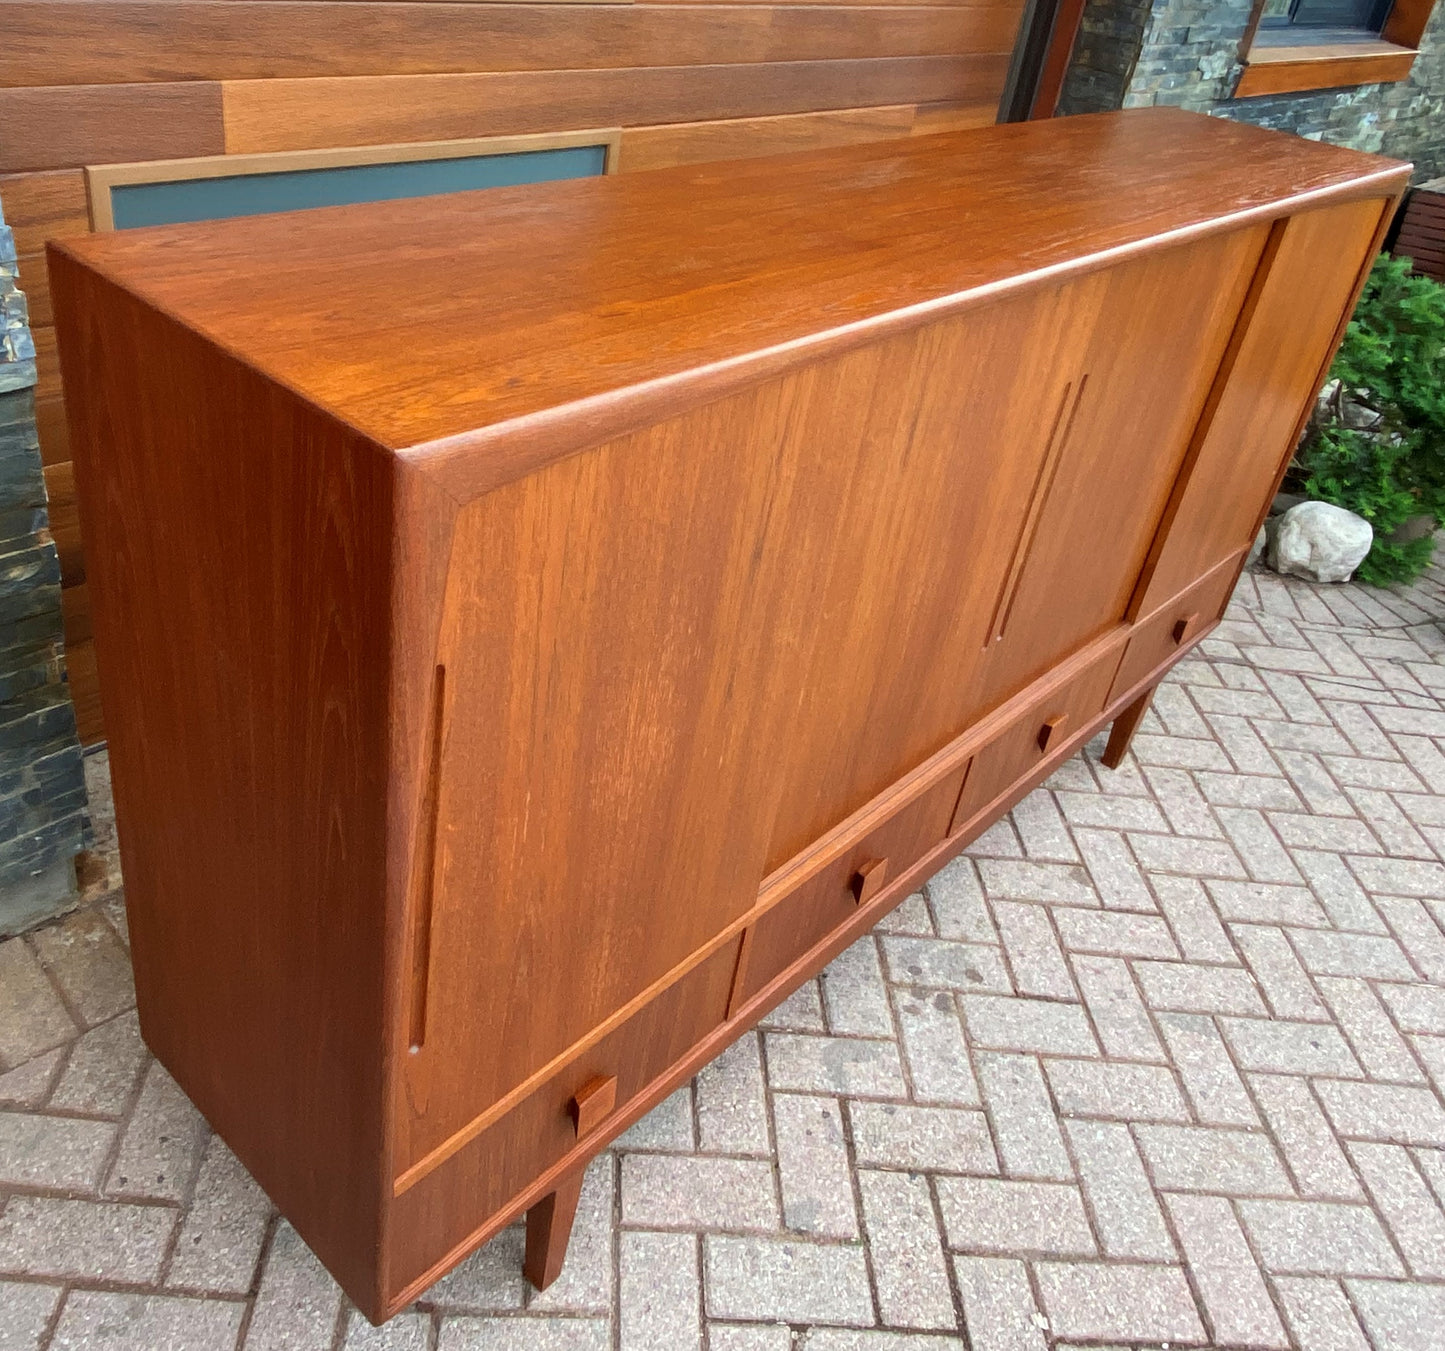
column 106, row 183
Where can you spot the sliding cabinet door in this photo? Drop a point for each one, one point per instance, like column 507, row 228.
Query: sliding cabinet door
column 1156, row 330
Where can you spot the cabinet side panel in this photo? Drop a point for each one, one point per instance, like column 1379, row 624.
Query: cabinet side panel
column 239, row 550
column 1272, row 373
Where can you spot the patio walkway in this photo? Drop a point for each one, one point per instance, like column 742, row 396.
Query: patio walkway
column 1210, row 1113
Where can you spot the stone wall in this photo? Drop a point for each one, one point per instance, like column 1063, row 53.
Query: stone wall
column 1132, row 53
column 42, row 784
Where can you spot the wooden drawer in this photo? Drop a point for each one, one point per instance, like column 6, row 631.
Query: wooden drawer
column 1175, row 626
column 449, row 1204
column 1045, row 723
column 831, row 897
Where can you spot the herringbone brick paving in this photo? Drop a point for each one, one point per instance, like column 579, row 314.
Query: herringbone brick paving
column 1160, row 1061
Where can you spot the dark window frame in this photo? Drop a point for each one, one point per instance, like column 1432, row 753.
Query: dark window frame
column 1338, row 20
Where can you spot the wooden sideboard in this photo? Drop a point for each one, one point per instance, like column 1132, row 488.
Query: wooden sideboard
column 540, row 627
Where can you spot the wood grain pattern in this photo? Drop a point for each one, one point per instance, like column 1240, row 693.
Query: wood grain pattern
column 1283, row 70
column 47, row 363
column 116, row 41
column 54, row 431
column 84, row 681
column 664, row 147
column 75, row 608
column 1276, row 366
column 40, row 207
column 1067, row 17
column 35, row 282
column 63, row 126
column 827, row 899
column 64, row 511
column 1120, row 459
column 1158, row 634
column 1017, row 750
column 1405, row 25
column 212, row 1004
column 933, row 119
column 1421, row 233
column 369, row 110
column 826, row 249
column 1125, row 724
column 541, row 707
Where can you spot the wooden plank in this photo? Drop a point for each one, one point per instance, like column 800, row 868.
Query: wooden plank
column 64, row 126
column 1265, row 52
column 744, row 137
column 53, row 429
column 1068, row 15
column 44, row 206
column 84, row 691
column 34, row 280
column 1276, row 75
column 47, row 363
column 1406, row 24
column 1420, row 235
column 101, row 43
column 65, row 521
column 930, row 119
column 374, row 110
column 75, row 613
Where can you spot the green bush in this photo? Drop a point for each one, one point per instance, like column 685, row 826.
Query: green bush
column 1376, row 443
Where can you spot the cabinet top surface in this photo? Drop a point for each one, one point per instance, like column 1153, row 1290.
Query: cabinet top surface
column 472, row 315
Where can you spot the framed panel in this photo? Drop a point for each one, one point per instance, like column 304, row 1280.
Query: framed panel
column 215, row 187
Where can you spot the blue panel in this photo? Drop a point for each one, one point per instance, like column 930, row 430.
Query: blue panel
column 134, row 204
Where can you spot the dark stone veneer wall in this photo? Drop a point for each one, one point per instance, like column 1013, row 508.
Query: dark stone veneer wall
column 42, row 782
column 1133, row 53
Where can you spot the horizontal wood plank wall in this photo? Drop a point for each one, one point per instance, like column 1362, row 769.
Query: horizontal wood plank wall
column 83, row 83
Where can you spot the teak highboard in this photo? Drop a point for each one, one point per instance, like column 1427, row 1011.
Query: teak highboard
column 540, row 627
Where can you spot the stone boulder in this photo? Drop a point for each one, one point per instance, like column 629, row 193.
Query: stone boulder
column 1321, row 542
column 1261, row 543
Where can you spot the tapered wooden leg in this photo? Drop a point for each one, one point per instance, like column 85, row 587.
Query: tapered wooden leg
column 549, row 1222
column 1125, row 725
column 549, row 1226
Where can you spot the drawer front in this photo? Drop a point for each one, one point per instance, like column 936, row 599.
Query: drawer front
column 1175, row 626
column 447, row 1206
column 1046, row 723
column 831, row 897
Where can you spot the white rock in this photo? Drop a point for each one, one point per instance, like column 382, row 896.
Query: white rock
column 1261, row 542
column 1321, row 542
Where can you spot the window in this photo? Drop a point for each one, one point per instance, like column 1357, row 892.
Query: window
column 1346, row 18
column 167, row 192
column 1295, row 45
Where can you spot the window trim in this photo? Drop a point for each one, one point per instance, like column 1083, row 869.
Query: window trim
column 100, row 179
column 1282, row 68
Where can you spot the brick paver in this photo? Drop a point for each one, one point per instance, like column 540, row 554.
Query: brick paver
column 1160, row 1060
